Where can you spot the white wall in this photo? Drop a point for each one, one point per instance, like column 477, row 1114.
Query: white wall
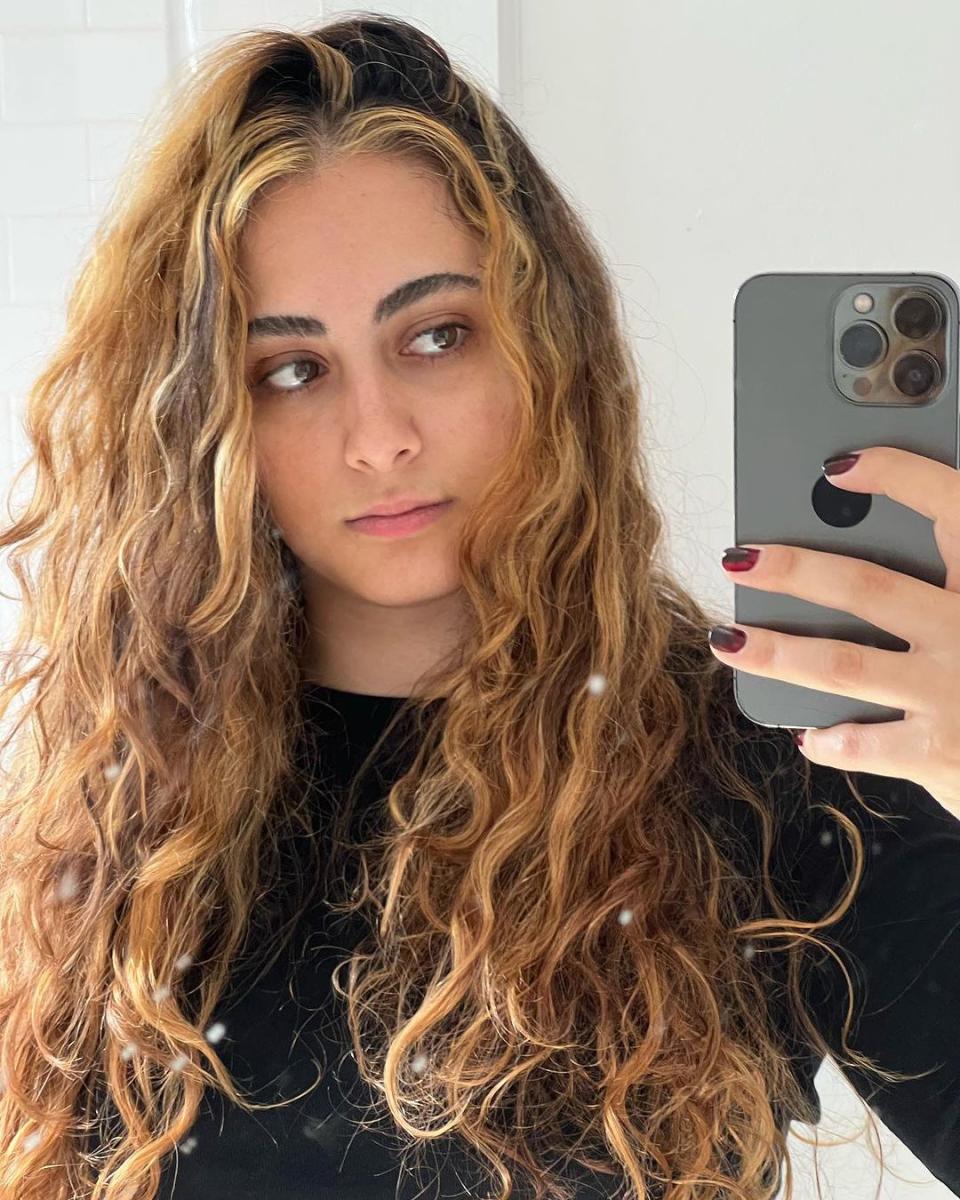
column 704, row 141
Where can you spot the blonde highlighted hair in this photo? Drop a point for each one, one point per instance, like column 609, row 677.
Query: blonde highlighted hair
column 152, row 696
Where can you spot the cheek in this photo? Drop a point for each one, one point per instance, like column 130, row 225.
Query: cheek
column 496, row 422
column 288, row 472
column 485, row 400
column 470, row 446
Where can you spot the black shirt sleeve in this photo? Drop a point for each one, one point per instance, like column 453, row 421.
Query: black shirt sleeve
column 900, row 944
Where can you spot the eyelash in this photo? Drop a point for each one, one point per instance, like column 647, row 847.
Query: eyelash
column 310, row 384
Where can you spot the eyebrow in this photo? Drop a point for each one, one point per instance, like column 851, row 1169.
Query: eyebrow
column 407, row 293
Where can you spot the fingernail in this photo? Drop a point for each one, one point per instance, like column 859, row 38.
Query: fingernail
column 739, row 558
column 839, row 463
column 727, row 638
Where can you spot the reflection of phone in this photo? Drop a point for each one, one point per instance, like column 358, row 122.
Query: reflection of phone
column 823, row 364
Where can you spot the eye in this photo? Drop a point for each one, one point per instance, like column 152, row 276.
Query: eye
column 443, row 353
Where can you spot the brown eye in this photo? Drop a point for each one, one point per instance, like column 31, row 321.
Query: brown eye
column 445, row 351
column 297, row 375
column 305, row 386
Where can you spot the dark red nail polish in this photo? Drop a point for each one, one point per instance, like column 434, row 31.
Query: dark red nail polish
column 727, row 638
column 798, row 737
column 839, row 463
column 737, row 558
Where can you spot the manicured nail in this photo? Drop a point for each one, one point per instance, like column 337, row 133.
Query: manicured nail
column 738, row 558
column 727, row 638
column 839, row 463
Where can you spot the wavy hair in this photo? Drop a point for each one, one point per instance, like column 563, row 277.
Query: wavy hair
column 561, row 753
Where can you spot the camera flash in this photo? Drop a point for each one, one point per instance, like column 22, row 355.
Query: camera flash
column 863, row 302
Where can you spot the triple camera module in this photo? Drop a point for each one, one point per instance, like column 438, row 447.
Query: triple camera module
column 890, row 344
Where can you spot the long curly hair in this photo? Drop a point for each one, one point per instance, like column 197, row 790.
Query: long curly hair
column 556, row 927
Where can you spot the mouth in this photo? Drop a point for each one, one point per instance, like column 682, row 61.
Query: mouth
column 408, row 522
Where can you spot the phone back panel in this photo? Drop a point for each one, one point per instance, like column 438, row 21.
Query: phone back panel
column 789, row 416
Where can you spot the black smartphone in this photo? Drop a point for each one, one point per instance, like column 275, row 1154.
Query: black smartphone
column 826, row 363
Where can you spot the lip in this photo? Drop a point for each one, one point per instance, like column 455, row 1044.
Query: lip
column 397, row 508
column 407, row 522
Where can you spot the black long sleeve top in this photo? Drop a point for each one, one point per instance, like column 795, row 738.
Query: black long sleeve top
column 900, row 939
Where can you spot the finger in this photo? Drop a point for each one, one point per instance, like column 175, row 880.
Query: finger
column 890, row 748
column 894, row 678
column 912, row 609
column 927, row 486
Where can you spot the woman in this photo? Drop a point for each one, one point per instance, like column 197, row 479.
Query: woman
column 578, row 916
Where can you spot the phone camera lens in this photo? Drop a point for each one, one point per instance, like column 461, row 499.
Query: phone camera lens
column 862, row 344
column 917, row 317
column 916, row 373
column 892, row 342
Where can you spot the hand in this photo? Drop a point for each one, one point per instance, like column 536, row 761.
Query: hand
column 924, row 680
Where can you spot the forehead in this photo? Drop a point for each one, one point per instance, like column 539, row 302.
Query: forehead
column 377, row 219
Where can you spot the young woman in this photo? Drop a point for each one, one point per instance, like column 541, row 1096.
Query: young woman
column 439, row 839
